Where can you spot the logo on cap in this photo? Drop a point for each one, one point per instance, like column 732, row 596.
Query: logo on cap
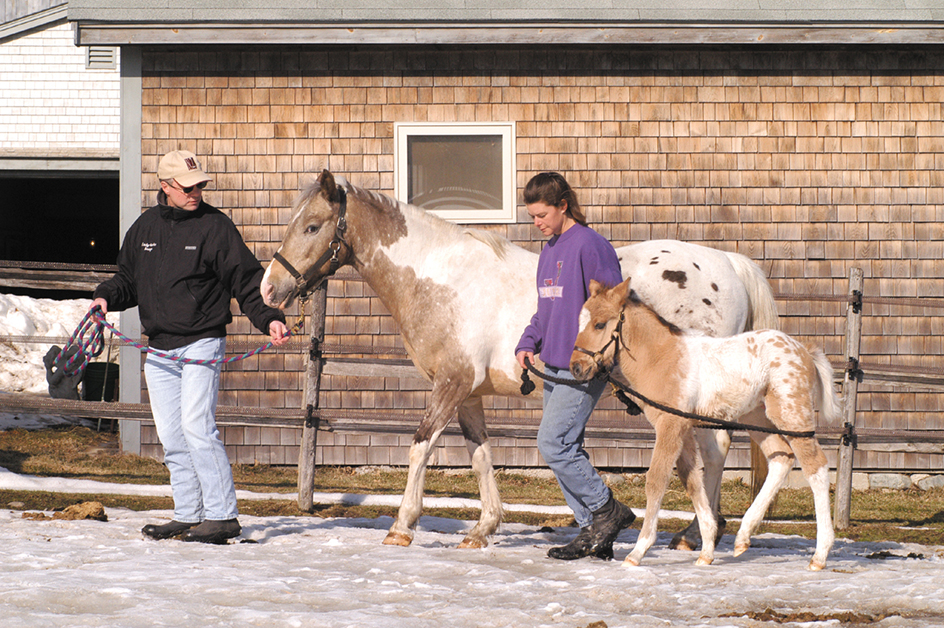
column 191, row 163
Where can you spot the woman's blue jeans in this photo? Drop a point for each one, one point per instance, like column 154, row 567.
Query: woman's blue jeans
column 183, row 402
column 567, row 409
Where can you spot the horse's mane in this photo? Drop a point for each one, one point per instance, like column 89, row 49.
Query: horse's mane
column 498, row 243
column 634, row 300
column 383, row 203
column 305, row 195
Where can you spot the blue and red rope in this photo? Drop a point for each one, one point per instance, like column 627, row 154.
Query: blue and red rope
column 89, row 336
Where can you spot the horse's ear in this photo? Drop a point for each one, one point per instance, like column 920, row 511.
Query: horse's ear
column 596, row 287
column 328, row 187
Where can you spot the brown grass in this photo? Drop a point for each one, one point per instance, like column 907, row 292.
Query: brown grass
column 77, row 452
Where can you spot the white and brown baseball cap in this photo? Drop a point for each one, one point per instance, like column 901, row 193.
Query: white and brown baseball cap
column 183, row 167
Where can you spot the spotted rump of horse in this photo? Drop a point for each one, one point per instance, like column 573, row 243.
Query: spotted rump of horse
column 720, row 378
column 462, row 297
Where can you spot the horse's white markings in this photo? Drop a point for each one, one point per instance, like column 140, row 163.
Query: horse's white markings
column 584, row 318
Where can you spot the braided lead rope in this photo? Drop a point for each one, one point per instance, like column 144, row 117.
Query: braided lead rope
column 89, row 336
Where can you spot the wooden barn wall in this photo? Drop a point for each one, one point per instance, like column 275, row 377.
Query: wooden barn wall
column 809, row 160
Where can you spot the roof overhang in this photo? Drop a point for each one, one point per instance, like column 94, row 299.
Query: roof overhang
column 33, row 22
column 88, row 32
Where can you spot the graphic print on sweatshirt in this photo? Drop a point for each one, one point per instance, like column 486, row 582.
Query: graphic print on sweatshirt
column 551, row 288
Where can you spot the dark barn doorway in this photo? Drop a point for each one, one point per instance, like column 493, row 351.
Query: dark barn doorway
column 68, row 218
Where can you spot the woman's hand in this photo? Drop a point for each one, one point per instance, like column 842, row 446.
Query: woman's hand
column 521, row 355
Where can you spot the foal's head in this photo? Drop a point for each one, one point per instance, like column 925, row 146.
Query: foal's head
column 597, row 342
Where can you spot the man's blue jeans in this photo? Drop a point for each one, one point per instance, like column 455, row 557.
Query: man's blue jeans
column 567, row 409
column 183, row 402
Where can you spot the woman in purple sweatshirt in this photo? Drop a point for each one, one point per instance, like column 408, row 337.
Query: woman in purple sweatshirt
column 573, row 256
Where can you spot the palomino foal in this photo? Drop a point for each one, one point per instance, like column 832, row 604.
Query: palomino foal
column 723, row 378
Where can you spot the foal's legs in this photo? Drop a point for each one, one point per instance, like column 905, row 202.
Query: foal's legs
column 780, row 456
column 813, row 462
column 779, row 462
column 668, row 445
column 714, row 445
column 472, row 422
column 692, row 475
column 449, row 390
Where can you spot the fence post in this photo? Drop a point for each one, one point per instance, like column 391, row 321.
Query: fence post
column 306, row 454
column 850, row 387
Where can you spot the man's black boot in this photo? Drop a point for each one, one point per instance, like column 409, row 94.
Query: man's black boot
column 608, row 521
column 580, row 547
column 212, row 531
column 167, row 530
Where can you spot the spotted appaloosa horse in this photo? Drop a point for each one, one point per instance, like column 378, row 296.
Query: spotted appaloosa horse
column 462, row 298
column 721, row 378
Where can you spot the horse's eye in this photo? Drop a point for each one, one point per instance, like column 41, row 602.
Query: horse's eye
column 600, row 326
column 312, row 228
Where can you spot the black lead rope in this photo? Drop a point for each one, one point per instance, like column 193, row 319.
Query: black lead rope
column 620, row 390
column 527, row 386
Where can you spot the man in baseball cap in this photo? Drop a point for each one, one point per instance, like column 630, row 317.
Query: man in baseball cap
column 181, row 263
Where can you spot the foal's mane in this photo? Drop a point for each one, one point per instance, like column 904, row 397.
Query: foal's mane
column 633, row 300
column 384, row 204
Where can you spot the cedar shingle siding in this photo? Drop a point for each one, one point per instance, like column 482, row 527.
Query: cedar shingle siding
column 810, row 160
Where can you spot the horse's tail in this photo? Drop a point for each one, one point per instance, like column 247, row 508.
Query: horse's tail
column 826, row 397
column 762, row 309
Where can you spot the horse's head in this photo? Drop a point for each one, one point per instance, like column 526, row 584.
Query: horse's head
column 597, row 341
column 314, row 245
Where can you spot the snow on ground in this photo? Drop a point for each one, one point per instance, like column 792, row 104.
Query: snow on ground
column 335, row 573
column 311, row 572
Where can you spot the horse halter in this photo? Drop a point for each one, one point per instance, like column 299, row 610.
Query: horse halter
column 330, row 254
column 597, row 356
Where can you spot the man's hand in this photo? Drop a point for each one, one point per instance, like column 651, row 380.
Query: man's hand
column 279, row 333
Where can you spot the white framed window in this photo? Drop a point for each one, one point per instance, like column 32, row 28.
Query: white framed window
column 463, row 172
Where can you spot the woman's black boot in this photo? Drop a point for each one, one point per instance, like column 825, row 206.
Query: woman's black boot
column 581, row 547
column 608, row 521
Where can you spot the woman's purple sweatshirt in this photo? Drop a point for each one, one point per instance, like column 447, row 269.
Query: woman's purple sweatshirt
column 567, row 264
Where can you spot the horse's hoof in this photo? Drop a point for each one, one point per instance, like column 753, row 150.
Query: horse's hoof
column 682, row 544
column 816, row 566
column 396, row 538
column 702, row 561
column 630, row 562
column 470, row 543
column 740, row 548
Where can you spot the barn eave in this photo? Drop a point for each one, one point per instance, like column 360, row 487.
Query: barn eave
column 89, row 32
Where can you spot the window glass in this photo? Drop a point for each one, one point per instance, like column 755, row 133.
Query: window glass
column 463, row 173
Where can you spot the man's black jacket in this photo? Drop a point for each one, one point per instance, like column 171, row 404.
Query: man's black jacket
column 182, row 268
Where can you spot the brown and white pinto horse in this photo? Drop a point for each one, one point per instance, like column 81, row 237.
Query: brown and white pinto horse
column 720, row 378
column 462, row 297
